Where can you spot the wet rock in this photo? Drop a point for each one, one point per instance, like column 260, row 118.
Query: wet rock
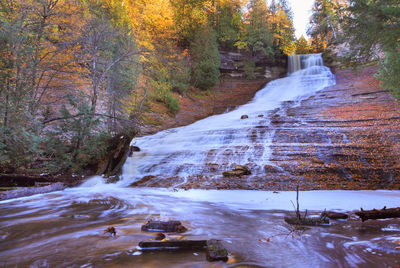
column 142, row 180
column 237, row 172
column 111, row 230
column 216, row 251
column 271, row 169
column 133, row 149
column 112, row 179
column 164, row 226
column 159, row 236
column 260, row 115
column 334, row 215
column 245, row 116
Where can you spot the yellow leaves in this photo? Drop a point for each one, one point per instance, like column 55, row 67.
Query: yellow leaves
column 150, row 20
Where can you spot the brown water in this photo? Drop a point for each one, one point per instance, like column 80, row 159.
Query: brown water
column 65, row 229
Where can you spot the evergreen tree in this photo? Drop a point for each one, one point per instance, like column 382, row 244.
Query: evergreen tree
column 259, row 38
column 372, row 26
column 206, row 58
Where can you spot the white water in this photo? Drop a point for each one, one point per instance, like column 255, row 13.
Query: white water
column 65, row 229
column 225, row 140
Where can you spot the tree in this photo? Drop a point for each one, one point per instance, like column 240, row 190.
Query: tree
column 302, row 46
column 259, row 38
column 281, row 24
column 373, row 26
column 206, row 58
column 325, row 22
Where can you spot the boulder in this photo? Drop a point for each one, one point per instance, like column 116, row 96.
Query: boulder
column 237, row 172
column 133, row 149
column 245, row 116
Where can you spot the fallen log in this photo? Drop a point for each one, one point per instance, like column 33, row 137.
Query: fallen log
column 375, row 214
column 307, row 221
column 173, row 245
column 334, row 215
column 215, row 251
column 164, row 226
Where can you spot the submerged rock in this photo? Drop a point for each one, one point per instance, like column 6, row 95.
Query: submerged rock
column 112, row 179
column 216, row 251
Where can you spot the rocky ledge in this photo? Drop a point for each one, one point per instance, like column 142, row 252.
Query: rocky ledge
column 344, row 137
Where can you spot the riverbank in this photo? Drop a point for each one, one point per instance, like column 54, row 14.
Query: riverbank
column 195, row 105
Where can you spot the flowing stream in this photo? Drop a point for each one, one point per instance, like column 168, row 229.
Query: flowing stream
column 65, row 228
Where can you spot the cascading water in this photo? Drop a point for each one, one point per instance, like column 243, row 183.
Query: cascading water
column 218, row 143
column 65, row 229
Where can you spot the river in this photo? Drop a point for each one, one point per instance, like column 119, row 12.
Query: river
column 65, row 228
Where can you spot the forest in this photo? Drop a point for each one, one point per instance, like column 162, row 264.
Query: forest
column 76, row 73
column 199, row 133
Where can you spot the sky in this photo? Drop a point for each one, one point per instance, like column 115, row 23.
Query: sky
column 301, row 15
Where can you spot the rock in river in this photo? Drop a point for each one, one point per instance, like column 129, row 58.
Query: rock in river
column 238, row 171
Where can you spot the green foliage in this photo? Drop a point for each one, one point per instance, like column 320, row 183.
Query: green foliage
column 206, row 59
column 163, row 94
column 172, row 103
column 79, row 139
column 259, row 38
column 389, row 72
column 249, row 68
column 180, row 76
column 374, row 26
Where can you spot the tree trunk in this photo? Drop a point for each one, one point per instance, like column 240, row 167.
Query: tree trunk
column 379, row 213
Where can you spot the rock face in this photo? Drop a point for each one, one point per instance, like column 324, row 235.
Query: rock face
column 335, row 139
column 233, row 64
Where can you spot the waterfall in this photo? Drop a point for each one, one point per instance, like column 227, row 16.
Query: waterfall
column 303, row 61
column 206, row 148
